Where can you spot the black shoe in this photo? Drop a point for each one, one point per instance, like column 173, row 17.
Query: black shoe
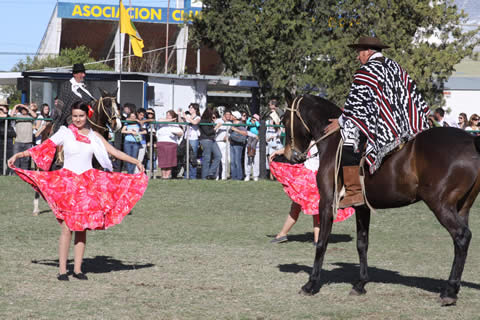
column 80, row 276
column 210, row 177
column 62, row 277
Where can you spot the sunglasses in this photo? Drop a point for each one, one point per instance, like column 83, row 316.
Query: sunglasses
column 475, row 119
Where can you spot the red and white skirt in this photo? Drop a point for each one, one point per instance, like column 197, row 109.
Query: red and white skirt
column 92, row 200
column 300, row 184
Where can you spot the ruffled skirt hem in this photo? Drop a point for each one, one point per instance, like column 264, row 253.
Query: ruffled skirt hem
column 92, row 200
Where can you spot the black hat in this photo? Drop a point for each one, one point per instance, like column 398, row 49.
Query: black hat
column 78, row 67
column 368, row 43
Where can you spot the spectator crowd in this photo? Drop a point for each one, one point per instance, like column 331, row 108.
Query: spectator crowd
column 223, row 143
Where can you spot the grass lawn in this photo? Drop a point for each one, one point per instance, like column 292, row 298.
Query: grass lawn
column 200, row 250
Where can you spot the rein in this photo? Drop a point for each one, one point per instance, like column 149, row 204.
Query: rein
column 295, row 109
column 101, row 105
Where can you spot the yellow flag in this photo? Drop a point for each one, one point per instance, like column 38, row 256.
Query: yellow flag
column 126, row 26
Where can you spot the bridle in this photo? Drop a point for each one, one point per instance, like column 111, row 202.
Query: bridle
column 101, row 107
column 295, row 110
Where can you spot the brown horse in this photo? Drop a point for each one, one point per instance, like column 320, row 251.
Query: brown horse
column 105, row 113
column 441, row 167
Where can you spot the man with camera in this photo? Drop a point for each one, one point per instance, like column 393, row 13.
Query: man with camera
column 24, row 132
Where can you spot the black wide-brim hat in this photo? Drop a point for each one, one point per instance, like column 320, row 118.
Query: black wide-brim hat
column 369, row 43
column 78, row 67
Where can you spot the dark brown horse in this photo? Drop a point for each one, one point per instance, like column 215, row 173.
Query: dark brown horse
column 105, row 112
column 441, row 167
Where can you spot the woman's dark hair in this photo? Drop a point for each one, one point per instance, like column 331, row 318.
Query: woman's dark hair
column 217, row 114
column 43, row 107
column 80, row 105
column 141, row 110
column 173, row 114
column 207, row 115
column 195, row 106
column 151, row 110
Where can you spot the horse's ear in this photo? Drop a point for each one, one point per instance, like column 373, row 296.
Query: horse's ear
column 288, row 97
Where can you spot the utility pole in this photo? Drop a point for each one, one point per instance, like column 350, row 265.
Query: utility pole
column 166, row 39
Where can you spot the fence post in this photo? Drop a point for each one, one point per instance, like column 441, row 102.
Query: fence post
column 187, row 161
column 227, row 162
column 4, row 165
column 152, row 175
column 263, row 149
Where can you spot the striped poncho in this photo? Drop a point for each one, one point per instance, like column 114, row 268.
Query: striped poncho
column 384, row 105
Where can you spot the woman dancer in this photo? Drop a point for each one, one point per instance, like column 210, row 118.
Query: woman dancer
column 82, row 198
column 300, row 184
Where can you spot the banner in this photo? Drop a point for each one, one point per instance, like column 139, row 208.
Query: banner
column 68, row 10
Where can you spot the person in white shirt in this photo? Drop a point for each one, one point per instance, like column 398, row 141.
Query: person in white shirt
column 168, row 138
column 222, row 139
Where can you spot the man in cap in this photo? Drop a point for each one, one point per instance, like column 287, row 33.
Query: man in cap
column 71, row 92
column 382, row 110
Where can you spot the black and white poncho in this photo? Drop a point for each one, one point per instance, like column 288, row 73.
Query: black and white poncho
column 384, row 105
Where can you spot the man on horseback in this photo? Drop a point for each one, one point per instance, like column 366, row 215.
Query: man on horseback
column 383, row 110
column 71, row 91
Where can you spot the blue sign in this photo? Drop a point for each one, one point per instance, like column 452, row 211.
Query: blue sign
column 68, row 10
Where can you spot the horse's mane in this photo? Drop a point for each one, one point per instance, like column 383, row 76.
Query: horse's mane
column 328, row 109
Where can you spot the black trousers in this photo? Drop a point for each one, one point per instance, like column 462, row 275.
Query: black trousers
column 350, row 157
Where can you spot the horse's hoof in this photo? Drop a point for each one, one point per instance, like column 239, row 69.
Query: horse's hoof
column 356, row 292
column 302, row 292
column 35, row 213
column 308, row 289
column 447, row 301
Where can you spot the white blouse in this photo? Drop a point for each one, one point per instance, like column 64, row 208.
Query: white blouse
column 78, row 155
column 166, row 133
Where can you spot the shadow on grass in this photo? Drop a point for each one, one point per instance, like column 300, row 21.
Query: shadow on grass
column 349, row 273
column 308, row 237
column 99, row 264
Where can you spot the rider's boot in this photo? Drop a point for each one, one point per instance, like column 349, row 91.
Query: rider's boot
column 353, row 189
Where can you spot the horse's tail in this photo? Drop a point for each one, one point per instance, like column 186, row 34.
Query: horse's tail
column 477, row 143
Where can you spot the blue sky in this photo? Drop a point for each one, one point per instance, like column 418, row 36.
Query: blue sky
column 24, row 23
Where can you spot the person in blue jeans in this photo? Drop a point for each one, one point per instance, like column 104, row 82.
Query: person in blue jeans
column 238, row 137
column 209, row 146
column 132, row 140
column 192, row 132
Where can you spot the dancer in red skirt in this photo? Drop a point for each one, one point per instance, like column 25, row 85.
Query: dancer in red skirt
column 300, row 183
column 82, row 198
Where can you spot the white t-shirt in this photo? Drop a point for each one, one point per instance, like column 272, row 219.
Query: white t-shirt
column 166, row 133
column 222, row 131
column 193, row 130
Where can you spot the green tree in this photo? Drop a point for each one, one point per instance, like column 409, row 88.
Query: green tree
column 66, row 58
column 298, row 45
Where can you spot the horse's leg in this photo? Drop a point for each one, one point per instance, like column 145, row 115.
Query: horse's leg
column 362, row 216
column 457, row 226
column 326, row 219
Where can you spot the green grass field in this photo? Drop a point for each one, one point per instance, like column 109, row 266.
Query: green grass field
column 200, row 250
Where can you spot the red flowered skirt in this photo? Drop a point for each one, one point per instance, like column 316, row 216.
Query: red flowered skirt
column 300, row 184
column 92, row 200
